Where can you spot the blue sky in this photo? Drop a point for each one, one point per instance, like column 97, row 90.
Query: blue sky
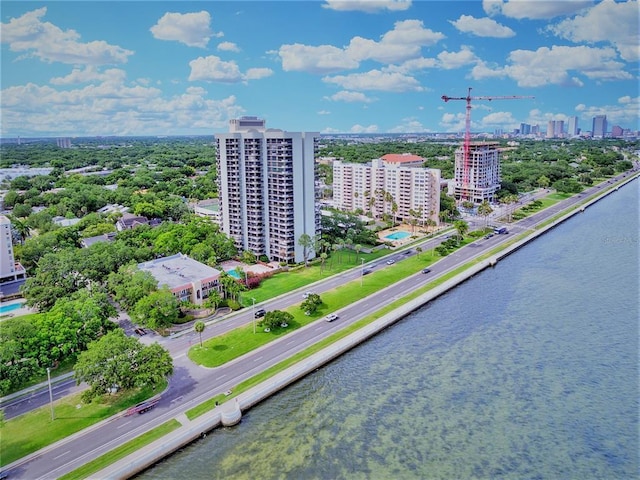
column 82, row 68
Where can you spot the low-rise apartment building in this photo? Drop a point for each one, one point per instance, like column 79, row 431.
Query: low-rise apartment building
column 395, row 185
column 188, row 279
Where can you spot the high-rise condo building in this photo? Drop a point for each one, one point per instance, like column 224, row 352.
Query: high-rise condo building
column 10, row 270
column 266, row 185
column 477, row 179
column 573, row 127
column 395, row 184
column 551, row 128
column 599, row 126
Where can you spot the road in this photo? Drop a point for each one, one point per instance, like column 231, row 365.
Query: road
column 191, row 385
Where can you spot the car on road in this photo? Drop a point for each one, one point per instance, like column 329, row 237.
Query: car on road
column 331, row 317
column 306, row 295
column 367, row 271
column 391, row 261
column 426, row 270
column 488, row 235
column 260, row 313
column 407, row 252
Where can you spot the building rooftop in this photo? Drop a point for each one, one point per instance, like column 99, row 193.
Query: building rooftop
column 178, row 270
column 402, row 158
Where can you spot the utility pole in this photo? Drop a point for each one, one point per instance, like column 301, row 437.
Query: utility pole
column 53, row 417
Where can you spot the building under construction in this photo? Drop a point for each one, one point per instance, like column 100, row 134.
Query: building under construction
column 478, row 178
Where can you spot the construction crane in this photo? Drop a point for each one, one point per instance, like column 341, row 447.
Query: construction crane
column 467, row 131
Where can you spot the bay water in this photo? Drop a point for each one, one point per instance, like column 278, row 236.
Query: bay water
column 529, row 370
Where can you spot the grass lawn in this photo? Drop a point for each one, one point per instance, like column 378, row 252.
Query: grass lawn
column 222, row 349
column 34, row 430
column 122, row 451
column 280, row 283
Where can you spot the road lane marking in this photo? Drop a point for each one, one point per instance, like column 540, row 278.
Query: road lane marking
column 124, row 424
column 256, row 359
column 62, row 454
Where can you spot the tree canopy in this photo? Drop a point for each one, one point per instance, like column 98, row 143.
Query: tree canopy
column 121, row 362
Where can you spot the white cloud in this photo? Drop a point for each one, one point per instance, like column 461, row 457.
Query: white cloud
column 538, row 9
column 553, row 66
column 625, row 112
column 257, row 73
column 362, row 129
column 482, row 27
column 608, row 21
column 323, row 112
column 398, row 45
column 89, row 74
column 192, row 29
column 499, row 119
column 51, row 44
column 368, row 6
column 111, row 108
column 214, row 69
column 228, row 47
column 376, row 80
column 350, row 97
column 409, row 125
column 321, row 59
column 451, row 60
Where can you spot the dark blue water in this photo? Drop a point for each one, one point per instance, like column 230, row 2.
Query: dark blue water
column 527, row 371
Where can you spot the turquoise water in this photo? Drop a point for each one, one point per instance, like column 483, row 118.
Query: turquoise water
column 234, row 274
column 397, row 236
column 529, row 370
column 10, row 307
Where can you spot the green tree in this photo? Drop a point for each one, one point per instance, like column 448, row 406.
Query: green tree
column 275, row 319
column 199, row 327
column 311, row 304
column 213, row 300
column 130, row 285
column 306, row 242
column 118, row 361
column 158, row 310
column 484, row 210
column 461, row 227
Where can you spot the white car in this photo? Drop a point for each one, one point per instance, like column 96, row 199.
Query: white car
column 331, row 317
column 306, row 295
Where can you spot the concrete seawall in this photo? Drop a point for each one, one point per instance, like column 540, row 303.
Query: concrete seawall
column 230, row 413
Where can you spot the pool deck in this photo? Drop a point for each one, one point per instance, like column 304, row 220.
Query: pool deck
column 16, row 312
column 402, row 241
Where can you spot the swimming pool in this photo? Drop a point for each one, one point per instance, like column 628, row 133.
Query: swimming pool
column 398, row 236
column 10, row 307
column 234, row 274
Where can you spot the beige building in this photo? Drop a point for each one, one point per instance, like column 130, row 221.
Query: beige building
column 478, row 179
column 267, row 191
column 395, row 184
column 187, row 279
column 10, row 270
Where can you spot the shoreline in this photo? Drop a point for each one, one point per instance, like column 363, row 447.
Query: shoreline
column 230, row 413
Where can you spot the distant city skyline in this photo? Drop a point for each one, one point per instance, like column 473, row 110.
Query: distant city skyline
column 80, row 69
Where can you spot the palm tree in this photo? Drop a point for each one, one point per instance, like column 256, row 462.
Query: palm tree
column 462, row 227
column 418, row 251
column 484, row 209
column 323, row 258
column 306, row 242
column 199, row 327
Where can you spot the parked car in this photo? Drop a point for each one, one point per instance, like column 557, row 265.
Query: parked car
column 426, row 270
column 260, row 313
column 391, row 261
column 331, row 317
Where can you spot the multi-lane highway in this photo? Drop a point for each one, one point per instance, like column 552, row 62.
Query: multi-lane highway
column 190, row 384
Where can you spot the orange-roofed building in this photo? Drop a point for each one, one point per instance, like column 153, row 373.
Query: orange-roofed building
column 403, row 159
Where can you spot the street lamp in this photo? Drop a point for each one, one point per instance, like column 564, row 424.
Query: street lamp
column 361, row 271
column 50, row 393
column 253, row 311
